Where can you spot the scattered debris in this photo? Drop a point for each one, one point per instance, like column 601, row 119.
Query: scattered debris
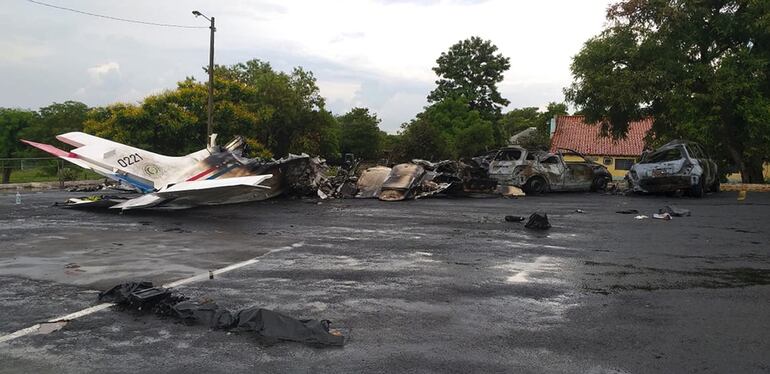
column 514, row 218
column 410, row 181
column 46, row 328
column 268, row 326
column 371, row 180
column 510, row 191
column 538, row 221
column 641, row 216
column 663, row 216
column 628, row 211
column 86, row 188
column 402, row 182
column 674, row 211
column 579, row 211
column 742, row 195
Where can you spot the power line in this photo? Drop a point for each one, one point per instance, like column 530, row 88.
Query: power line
column 117, row 18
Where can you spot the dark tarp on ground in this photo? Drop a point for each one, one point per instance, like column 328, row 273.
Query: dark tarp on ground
column 268, row 325
column 274, row 325
column 538, row 221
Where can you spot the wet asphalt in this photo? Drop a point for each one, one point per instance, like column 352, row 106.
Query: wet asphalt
column 436, row 285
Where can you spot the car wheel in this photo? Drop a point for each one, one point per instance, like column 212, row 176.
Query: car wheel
column 599, row 184
column 535, row 185
column 698, row 190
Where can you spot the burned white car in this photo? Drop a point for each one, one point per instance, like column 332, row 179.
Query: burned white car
column 676, row 166
column 538, row 172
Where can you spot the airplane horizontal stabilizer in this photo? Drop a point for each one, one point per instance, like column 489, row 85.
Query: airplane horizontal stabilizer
column 69, row 156
column 144, row 201
column 250, row 181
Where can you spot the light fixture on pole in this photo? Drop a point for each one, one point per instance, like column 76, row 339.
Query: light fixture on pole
column 210, row 142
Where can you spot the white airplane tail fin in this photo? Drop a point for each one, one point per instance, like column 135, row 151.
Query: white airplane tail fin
column 142, row 169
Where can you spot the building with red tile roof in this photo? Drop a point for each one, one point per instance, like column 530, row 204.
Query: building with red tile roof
column 617, row 155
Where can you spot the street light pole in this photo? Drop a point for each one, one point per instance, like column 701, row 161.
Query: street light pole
column 210, row 122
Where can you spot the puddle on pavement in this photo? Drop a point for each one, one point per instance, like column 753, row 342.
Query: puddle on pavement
column 542, row 270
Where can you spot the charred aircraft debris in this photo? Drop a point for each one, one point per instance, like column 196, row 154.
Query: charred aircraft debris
column 212, row 176
column 222, row 175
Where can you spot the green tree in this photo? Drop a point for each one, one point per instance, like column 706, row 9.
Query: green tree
column 390, row 145
column 298, row 120
column 471, row 69
column 174, row 122
column 555, row 109
column 56, row 119
column 276, row 112
column 422, row 139
column 449, row 129
column 699, row 68
column 12, row 123
column 517, row 120
column 360, row 133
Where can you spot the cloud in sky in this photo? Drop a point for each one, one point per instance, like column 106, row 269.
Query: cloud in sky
column 372, row 53
column 104, row 71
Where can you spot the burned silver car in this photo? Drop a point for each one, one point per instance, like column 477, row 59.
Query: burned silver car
column 411, row 181
column 538, row 172
column 676, row 166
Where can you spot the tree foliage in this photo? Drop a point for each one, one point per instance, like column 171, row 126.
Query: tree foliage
column 421, row 139
column 278, row 113
column 40, row 126
column 55, row 119
column 297, row 118
column 360, row 133
column 700, row 68
column 517, row 120
column 12, row 123
column 471, row 69
column 447, row 129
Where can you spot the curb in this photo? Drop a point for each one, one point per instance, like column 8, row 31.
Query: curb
column 729, row 187
column 50, row 185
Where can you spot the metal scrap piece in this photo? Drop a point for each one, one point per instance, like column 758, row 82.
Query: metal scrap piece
column 371, row 180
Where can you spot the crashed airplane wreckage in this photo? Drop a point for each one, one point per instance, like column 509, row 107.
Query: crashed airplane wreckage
column 212, row 176
column 221, row 175
column 420, row 179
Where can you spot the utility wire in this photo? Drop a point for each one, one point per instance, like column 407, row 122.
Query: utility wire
column 117, row 18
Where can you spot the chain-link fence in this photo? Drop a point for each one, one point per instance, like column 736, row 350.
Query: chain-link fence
column 41, row 169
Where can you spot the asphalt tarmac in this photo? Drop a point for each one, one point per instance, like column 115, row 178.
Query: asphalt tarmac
column 435, row 285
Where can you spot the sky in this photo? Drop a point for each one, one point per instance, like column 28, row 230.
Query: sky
column 376, row 54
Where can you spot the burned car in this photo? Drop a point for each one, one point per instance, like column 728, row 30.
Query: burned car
column 506, row 160
column 565, row 170
column 410, row 181
column 676, row 166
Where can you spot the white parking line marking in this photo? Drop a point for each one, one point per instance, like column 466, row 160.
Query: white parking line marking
column 96, row 308
column 215, row 272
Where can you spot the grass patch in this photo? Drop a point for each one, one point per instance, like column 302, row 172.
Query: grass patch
column 47, row 174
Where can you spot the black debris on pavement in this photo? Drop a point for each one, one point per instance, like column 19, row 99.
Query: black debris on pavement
column 269, row 326
column 514, row 218
column 628, row 211
column 675, row 211
column 538, row 221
